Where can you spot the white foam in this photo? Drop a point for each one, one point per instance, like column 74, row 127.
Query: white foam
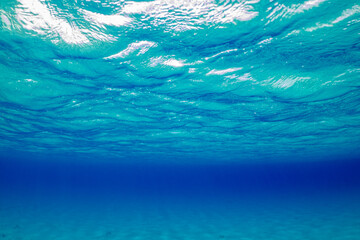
column 142, row 46
column 36, row 16
column 173, row 63
column 222, row 72
column 114, row 20
column 347, row 13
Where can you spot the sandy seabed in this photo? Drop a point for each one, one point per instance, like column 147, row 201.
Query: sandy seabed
column 60, row 217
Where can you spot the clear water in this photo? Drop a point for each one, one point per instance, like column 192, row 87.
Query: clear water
column 184, row 119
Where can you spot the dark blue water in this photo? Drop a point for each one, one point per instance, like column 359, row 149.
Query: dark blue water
column 179, row 119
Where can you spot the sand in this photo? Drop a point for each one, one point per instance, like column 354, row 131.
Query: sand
column 139, row 217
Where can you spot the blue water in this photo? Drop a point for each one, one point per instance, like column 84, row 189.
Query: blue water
column 183, row 119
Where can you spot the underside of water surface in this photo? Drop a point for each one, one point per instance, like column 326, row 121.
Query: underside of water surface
column 181, row 80
column 192, row 119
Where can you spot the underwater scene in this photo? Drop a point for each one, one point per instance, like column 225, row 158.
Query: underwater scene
column 179, row 120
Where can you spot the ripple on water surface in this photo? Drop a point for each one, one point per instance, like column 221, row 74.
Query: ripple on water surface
column 175, row 80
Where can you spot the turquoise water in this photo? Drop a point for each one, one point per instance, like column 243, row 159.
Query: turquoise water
column 181, row 80
column 171, row 119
